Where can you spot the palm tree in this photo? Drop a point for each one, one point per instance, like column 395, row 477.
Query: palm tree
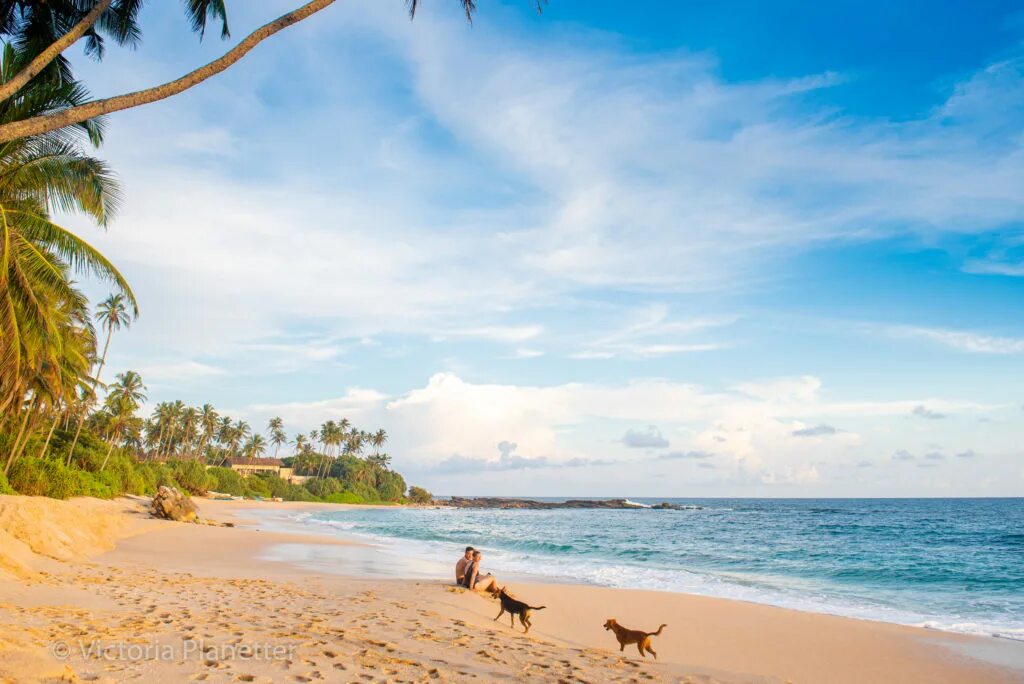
column 189, row 421
column 39, row 174
column 378, row 438
column 277, row 434
column 239, row 434
column 210, row 422
column 129, row 384
column 113, row 315
column 121, row 404
column 173, row 414
column 255, row 446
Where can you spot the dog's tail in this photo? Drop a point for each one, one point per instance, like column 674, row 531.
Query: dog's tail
column 536, row 607
column 658, row 633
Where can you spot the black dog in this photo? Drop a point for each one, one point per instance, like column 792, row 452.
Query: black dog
column 516, row 607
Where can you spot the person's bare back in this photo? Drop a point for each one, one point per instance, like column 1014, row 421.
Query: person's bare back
column 462, row 565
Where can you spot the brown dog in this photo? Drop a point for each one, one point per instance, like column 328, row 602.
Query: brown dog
column 516, row 607
column 633, row 636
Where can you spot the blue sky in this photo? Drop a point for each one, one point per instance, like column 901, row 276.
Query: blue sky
column 706, row 249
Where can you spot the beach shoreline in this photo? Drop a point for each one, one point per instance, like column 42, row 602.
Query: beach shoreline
column 178, row 583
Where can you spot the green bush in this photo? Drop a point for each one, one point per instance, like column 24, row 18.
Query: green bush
column 420, row 495
column 38, row 477
column 192, row 476
column 5, row 486
column 323, row 487
column 344, row 498
column 227, row 481
column 257, row 486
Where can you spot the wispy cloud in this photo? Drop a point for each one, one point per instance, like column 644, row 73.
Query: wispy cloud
column 962, row 340
column 686, row 455
column 821, row 430
column 651, row 332
column 495, row 333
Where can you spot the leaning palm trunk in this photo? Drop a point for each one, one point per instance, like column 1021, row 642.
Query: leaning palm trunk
column 46, row 444
column 96, row 382
column 109, row 450
column 16, row 448
column 40, row 62
column 72, row 115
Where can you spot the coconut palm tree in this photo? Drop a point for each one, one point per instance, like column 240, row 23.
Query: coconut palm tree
column 275, row 427
column 378, row 438
column 240, row 432
column 255, row 446
column 112, row 315
column 39, row 174
column 209, row 421
column 189, row 422
column 129, row 385
column 120, row 407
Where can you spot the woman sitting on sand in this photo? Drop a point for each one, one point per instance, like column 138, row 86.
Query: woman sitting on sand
column 477, row 582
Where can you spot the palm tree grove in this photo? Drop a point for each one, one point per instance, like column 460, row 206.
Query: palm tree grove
column 66, row 429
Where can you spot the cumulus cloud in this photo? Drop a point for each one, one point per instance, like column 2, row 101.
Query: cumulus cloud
column 509, row 460
column 821, row 430
column 935, row 456
column 967, row 454
column 903, row 455
column 922, row 411
column 649, row 438
column 685, row 455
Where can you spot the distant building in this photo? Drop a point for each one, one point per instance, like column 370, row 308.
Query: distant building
column 273, row 466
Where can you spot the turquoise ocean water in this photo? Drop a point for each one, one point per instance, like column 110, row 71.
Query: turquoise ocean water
column 951, row 564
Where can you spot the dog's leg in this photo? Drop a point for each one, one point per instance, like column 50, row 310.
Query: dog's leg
column 640, row 647
column 501, row 613
column 525, row 619
column 622, row 646
column 512, row 620
column 647, row 645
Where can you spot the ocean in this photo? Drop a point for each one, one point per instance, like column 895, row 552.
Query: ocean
column 949, row 564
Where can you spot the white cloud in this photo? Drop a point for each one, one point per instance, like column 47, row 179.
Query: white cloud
column 648, row 438
column 820, row 430
column 992, row 267
column 962, row 340
column 495, row 333
column 180, row 371
column 922, row 411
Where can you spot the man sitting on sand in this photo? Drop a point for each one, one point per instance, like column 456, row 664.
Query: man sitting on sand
column 460, row 567
column 477, row 582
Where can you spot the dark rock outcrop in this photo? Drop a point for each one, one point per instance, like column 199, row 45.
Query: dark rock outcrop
column 533, row 504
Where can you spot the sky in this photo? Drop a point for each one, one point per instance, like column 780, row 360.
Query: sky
column 697, row 249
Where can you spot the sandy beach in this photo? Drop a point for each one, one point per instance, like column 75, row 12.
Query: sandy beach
column 99, row 591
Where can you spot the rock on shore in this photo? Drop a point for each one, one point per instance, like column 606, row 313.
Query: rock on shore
column 171, row 504
column 501, row 502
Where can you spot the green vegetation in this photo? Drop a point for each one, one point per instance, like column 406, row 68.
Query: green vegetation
column 419, row 495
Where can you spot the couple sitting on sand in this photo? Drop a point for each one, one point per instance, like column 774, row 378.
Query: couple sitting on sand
column 467, row 573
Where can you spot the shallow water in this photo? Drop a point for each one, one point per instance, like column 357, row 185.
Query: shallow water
column 951, row 564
